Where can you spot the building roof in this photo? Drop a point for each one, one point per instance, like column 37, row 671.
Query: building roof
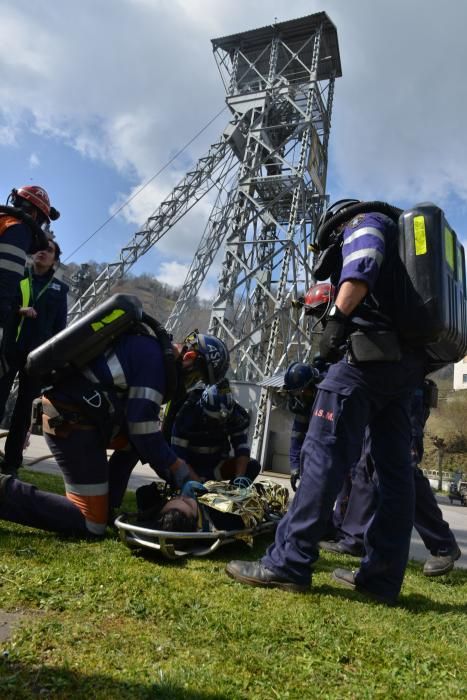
column 274, row 382
column 295, row 30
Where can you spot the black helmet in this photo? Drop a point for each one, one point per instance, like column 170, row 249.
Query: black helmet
column 322, row 230
column 299, row 376
column 213, row 356
column 299, row 382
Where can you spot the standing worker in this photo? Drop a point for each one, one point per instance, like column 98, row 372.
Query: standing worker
column 369, row 383
column 300, row 382
column 27, row 210
column 41, row 313
column 434, row 531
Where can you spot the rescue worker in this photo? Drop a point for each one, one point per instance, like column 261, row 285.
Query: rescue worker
column 300, row 382
column 41, row 313
column 207, row 429
column 434, row 531
column 300, row 379
column 27, row 210
column 122, row 390
column 369, row 384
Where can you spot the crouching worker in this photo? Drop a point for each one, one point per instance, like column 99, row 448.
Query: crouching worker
column 130, row 380
column 209, row 427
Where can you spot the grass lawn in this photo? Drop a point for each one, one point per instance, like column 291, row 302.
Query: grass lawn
column 99, row 621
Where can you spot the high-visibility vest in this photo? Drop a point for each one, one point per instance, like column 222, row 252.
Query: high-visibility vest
column 26, row 292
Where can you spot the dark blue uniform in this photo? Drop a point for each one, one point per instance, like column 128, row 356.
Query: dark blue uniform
column 297, row 438
column 48, row 296
column 133, row 375
column 205, row 444
column 15, row 241
column 352, row 396
column 429, row 523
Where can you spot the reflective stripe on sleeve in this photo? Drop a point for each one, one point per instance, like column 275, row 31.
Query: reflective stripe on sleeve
column 364, row 253
column 147, row 427
column 365, row 231
column 181, row 442
column 204, row 450
column 11, row 266
column 145, row 392
column 9, row 249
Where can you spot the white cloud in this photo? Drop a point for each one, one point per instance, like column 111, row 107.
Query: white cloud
column 172, row 273
column 7, row 136
column 130, row 87
column 34, row 161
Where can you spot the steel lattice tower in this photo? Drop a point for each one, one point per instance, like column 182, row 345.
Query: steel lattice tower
column 268, row 170
column 280, row 84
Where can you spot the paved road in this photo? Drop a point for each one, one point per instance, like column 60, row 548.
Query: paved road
column 455, row 515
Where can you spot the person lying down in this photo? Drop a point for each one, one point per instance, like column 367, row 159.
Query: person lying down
column 212, row 506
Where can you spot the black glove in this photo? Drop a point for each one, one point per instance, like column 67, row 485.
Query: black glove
column 294, row 479
column 334, row 336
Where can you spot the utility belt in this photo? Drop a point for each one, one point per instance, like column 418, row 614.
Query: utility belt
column 374, row 346
column 61, row 418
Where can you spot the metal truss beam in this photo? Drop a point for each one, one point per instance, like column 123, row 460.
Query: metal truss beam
column 282, row 95
column 209, row 172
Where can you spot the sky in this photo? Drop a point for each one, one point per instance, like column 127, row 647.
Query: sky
column 96, row 97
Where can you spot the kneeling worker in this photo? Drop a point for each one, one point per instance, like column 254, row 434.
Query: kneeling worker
column 208, row 428
column 131, row 380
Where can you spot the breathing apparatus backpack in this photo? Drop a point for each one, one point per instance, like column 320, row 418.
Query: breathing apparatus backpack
column 430, row 296
column 72, row 349
column 15, row 215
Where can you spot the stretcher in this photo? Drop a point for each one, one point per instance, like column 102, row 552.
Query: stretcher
column 177, row 545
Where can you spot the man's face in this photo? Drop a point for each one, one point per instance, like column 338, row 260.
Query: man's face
column 45, row 258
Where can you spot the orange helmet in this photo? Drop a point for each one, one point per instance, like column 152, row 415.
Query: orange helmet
column 319, row 298
column 36, row 196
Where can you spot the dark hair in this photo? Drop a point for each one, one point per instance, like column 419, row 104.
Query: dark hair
column 58, row 250
column 176, row 521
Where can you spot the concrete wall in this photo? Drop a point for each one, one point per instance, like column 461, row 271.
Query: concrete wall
column 275, row 450
column 460, row 375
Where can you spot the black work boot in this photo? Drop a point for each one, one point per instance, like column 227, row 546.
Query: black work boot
column 340, row 548
column 253, row 573
column 440, row 564
column 347, row 579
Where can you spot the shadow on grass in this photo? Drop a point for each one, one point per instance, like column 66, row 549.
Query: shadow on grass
column 412, row 602
column 224, row 554
column 21, row 681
